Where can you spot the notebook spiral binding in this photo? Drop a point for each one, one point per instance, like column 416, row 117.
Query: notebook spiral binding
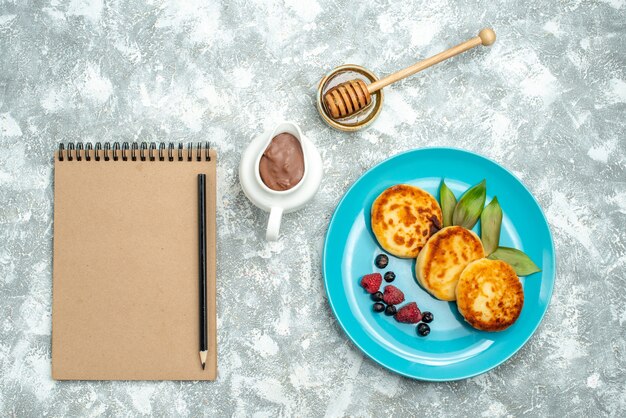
column 134, row 151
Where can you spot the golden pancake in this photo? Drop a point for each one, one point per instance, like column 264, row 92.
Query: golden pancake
column 444, row 257
column 489, row 295
column 403, row 218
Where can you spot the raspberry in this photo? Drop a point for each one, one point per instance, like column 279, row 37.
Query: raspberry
column 371, row 282
column 393, row 295
column 409, row 314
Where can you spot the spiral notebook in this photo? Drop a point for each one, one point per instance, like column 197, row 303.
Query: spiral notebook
column 125, row 270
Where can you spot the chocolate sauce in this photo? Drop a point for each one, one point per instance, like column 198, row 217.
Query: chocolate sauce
column 282, row 163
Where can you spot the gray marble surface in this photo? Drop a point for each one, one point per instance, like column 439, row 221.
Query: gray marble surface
column 547, row 101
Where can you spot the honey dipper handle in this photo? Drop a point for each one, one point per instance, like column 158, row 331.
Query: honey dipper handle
column 485, row 37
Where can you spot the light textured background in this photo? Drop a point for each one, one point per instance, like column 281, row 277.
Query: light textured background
column 547, row 101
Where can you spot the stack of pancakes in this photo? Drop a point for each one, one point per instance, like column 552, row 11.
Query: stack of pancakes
column 406, row 221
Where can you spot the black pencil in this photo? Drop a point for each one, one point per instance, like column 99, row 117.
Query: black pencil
column 202, row 265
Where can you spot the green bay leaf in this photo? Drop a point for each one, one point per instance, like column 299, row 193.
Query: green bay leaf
column 448, row 203
column 470, row 206
column 521, row 263
column 490, row 223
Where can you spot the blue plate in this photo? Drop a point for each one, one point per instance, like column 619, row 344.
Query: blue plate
column 453, row 350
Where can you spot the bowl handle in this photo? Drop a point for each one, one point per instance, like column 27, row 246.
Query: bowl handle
column 273, row 224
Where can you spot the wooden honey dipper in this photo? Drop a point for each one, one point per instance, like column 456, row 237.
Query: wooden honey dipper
column 352, row 96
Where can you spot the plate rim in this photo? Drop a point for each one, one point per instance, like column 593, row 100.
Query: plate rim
column 394, row 369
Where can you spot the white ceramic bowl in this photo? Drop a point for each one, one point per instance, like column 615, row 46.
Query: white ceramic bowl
column 279, row 202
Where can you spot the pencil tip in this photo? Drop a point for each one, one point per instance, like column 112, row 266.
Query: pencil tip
column 203, row 364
